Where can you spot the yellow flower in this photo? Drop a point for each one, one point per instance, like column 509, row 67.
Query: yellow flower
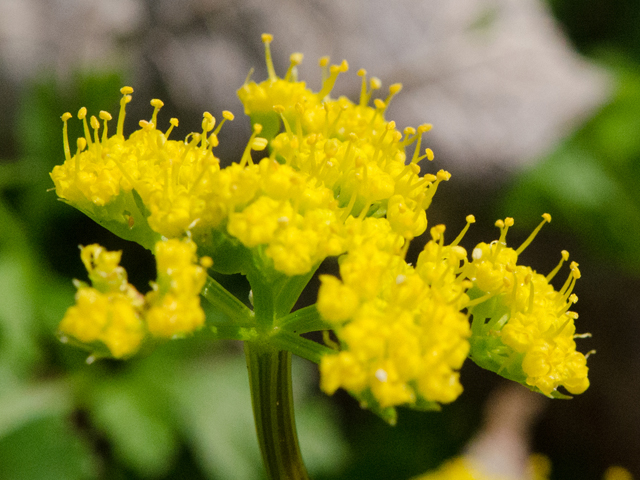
column 113, row 313
column 535, row 323
column 174, row 303
column 403, row 341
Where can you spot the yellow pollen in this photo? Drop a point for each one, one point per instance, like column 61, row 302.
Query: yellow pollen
column 82, row 113
column 126, row 90
column 105, row 115
column 227, row 115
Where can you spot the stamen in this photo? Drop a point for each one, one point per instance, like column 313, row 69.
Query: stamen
column 226, row 115
column 157, row 105
column 546, row 218
column 267, row 39
column 564, row 258
column 126, row 98
column 393, row 91
column 324, row 62
column 82, row 115
column 364, row 97
column 174, row 123
column 246, row 155
column 295, row 59
column 470, row 219
column 442, row 176
column 106, row 116
column 504, row 228
column 328, row 84
column 279, row 109
column 65, row 135
column 95, row 124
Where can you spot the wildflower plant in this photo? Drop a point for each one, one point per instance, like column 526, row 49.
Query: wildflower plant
column 334, row 181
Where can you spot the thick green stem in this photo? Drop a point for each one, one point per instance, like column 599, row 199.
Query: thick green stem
column 272, row 400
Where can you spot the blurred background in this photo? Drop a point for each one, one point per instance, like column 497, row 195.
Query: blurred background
column 536, row 108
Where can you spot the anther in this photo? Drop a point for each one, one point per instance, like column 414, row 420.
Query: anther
column 429, row 154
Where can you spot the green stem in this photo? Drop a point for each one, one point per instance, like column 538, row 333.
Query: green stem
column 272, row 400
column 226, row 303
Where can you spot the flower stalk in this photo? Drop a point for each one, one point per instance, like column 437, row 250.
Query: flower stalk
column 272, row 401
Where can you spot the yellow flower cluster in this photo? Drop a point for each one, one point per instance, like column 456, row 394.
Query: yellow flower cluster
column 401, row 329
column 114, row 313
column 537, row 323
column 460, row 468
column 334, row 161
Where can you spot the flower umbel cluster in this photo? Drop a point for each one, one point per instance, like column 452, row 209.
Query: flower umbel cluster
column 334, row 180
column 112, row 312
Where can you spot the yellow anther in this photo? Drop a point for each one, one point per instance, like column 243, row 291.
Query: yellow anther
column 415, row 168
column 157, row 103
column 509, row 222
column 174, row 122
column 379, row 104
column 296, row 58
column 279, row 109
column 375, row 83
column 267, row 38
column 312, row 139
column 470, row 219
column 361, row 73
column 82, row 113
column 206, row 262
column 443, row 175
column 259, row 144
column 257, row 128
column 499, row 224
column 227, row 115
column 573, row 298
column 409, row 131
column 425, row 127
column 66, row 116
column 575, row 270
column 126, row 90
column 95, row 124
column 104, row 115
column 81, row 144
column 429, row 153
column 213, row 140
column 565, row 255
column 344, row 66
column 395, row 88
column 391, row 125
column 547, row 217
column 323, row 62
